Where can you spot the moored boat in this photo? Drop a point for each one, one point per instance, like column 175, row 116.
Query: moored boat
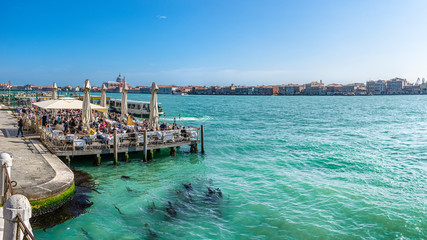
column 137, row 108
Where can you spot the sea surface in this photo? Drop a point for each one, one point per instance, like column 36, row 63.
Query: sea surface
column 327, row 167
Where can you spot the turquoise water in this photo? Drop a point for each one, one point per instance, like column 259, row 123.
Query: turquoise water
column 288, row 168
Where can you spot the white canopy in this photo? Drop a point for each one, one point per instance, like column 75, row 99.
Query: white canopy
column 54, row 94
column 124, row 103
column 154, row 108
column 103, row 102
column 67, row 103
column 87, row 110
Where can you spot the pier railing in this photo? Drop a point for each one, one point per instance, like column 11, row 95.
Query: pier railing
column 59, row 143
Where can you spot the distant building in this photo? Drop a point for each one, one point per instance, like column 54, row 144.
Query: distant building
column 334, row 89
column 67, row 88
column 265, row 90
column 166, row 89
column 396, row 85
column 186, row 89
column 117, row 85
column 376, row 87
column 360, row 89
column 215, row 90
column 228, row 90
column 412, row 89
column 423, row 87
column 134, row 90
column 291, row 89
column 349, row 89
column 315, row 88
column 46, row 88
column 144, row 89
column 201, row 90
column 370, row 87
column 241, row 90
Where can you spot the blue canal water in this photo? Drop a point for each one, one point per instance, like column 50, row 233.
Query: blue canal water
column 288, row 167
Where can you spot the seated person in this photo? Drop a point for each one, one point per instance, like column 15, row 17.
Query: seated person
column 184, row 132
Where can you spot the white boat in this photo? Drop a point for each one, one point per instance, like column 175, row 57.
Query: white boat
column 179, row 93
column 137, row 108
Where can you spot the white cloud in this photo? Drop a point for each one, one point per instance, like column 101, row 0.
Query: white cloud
column 161, row 17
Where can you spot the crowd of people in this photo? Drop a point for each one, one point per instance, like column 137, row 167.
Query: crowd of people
column 66, row 122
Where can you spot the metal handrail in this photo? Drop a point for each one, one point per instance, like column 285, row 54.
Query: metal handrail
column 21, row 227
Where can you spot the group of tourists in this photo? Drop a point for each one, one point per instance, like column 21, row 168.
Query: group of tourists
column 65, row 122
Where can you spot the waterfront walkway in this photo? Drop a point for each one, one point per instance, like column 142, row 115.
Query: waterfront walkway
column 38, row 173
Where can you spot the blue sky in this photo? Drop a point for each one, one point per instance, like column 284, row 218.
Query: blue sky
column 203, row 42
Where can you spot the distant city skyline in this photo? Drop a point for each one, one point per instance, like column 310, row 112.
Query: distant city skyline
column 212, row 42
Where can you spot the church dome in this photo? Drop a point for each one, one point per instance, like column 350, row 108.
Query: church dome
column 119, row 78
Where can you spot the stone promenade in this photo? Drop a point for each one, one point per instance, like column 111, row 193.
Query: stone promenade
column 38, row 173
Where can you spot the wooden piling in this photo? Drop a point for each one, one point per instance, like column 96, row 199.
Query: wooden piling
column 145, row 145
column 150, row 155
column 202, row 138
column 68, row 161
column 98, row 159
column 126, row 157
column 173, row 152
column 116, row 148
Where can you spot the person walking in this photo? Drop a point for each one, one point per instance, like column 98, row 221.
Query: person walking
column 44, row 119
column 20, row 125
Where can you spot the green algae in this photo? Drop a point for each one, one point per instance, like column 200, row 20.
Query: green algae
column 51, row 203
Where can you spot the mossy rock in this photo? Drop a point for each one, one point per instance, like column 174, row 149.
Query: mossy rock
column 49, row 204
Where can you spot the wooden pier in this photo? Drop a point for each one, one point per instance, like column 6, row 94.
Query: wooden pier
column 117, row 143
column 99, row 144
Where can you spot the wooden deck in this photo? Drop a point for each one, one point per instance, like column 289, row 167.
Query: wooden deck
column 96, row 151
column 81, row 145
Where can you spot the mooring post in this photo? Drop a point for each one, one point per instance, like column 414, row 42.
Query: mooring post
column 145, row 145
column 16, row 204
column 98, row 159
column 116, row 148
column 202, row 138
